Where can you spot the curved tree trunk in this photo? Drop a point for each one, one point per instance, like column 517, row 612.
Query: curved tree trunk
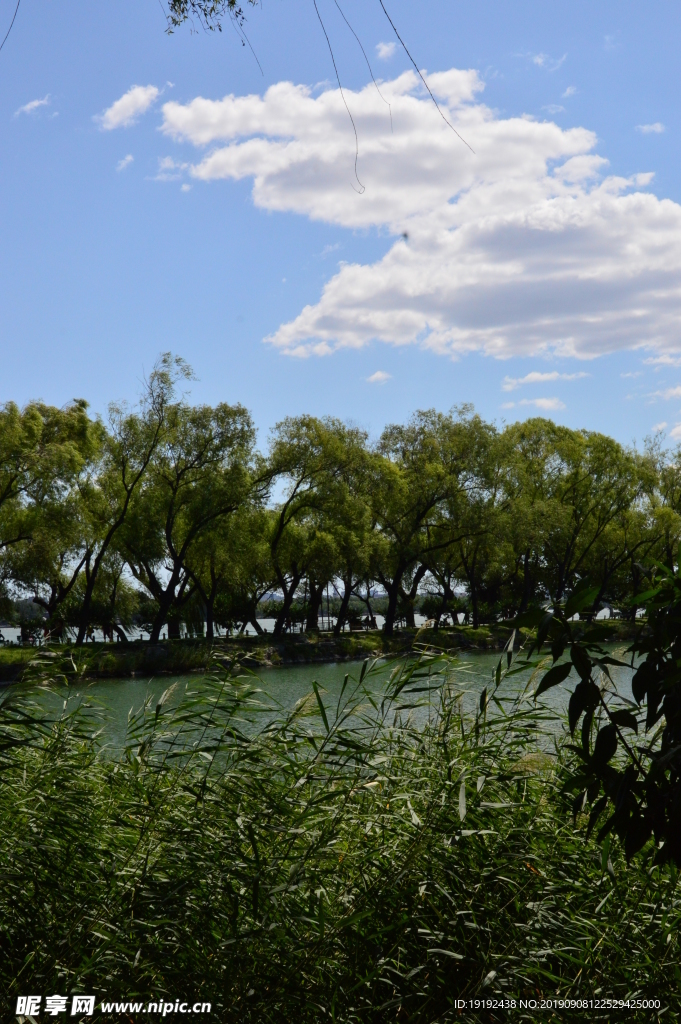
column 314, row 603
column 344, row 605
column 389, row 625
column 289, row 594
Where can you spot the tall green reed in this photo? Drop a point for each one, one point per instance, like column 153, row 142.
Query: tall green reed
column 369, row 858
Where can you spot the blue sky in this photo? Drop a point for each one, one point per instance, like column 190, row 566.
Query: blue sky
column 542, row 274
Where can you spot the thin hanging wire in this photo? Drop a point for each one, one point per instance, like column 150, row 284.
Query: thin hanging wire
column 367, row 60
column 361, row 188
column 422, row 78
column 16, row 11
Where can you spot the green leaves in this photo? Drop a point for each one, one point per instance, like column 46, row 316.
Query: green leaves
column 581, row 661
column 605, row 746
column 553, row 677
column 624, row 719
column 320, row 703
column 584, row 696
column 583, row 596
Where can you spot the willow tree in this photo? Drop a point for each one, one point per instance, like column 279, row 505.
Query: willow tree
column 418, row 468
column 45, row 455
column 231, row 568
column 202, row 471
column 311, row 459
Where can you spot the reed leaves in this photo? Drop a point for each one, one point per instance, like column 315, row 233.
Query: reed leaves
column 370, row 860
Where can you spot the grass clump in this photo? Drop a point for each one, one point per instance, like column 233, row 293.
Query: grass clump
column 371, row 859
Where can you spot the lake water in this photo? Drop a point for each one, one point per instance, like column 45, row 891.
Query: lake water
column 288, row 684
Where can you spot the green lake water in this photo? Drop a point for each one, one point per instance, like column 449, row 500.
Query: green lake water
column 116, row 698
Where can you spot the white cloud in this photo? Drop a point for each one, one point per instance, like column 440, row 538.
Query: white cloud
column 129, row 107
column 385, row 50
column 663, row 360
column 553, row 108
column 28, row 108
column 675, row 432
column 186, row 188
column 542, row 60
column 545, row 404
column 169, row 169
column 636, row 373
column 668, row 393
column 380, row 377
column 570, row 91
column 125, row 162
column 524, row 248
column 651, row 129
column 659, row 427
column 535, row 377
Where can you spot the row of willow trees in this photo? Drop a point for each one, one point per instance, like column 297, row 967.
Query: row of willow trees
column 169, row 512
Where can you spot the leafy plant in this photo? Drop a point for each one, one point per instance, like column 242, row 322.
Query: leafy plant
column 368, row 858
column 630, row 764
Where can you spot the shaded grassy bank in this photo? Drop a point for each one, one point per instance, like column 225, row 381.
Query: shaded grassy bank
column 179, row 657
column 337, row 863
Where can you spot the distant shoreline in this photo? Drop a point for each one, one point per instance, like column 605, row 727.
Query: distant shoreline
column 180, row 657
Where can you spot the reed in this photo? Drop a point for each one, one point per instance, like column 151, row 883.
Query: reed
column 374, row 858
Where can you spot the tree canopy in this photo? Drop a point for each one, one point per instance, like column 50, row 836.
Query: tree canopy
column 170, row 512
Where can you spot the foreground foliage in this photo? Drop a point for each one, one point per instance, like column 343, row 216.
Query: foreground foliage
column 368, row 858
column 636, row 796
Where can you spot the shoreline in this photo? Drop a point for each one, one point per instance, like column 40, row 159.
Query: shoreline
column 183, row 657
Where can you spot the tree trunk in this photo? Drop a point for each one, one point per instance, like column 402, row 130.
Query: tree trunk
column 367, row 601
column 165, row 603
column 389, row 625
column 209, row 620
column 344, row 605
column 315, row 600
column 410, row 597
column 289, row 594
column 120, row 633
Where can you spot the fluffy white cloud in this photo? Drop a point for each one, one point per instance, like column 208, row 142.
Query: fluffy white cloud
column 659, row 427
column 651, row 129
column 385, row 51
column 380, row 377
column 570, row 91
column 28, row 108
column 668, row 393
column 535, row 377
column 525, row 247
column 545, row 404
column 129, row 107
column 125, row 162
